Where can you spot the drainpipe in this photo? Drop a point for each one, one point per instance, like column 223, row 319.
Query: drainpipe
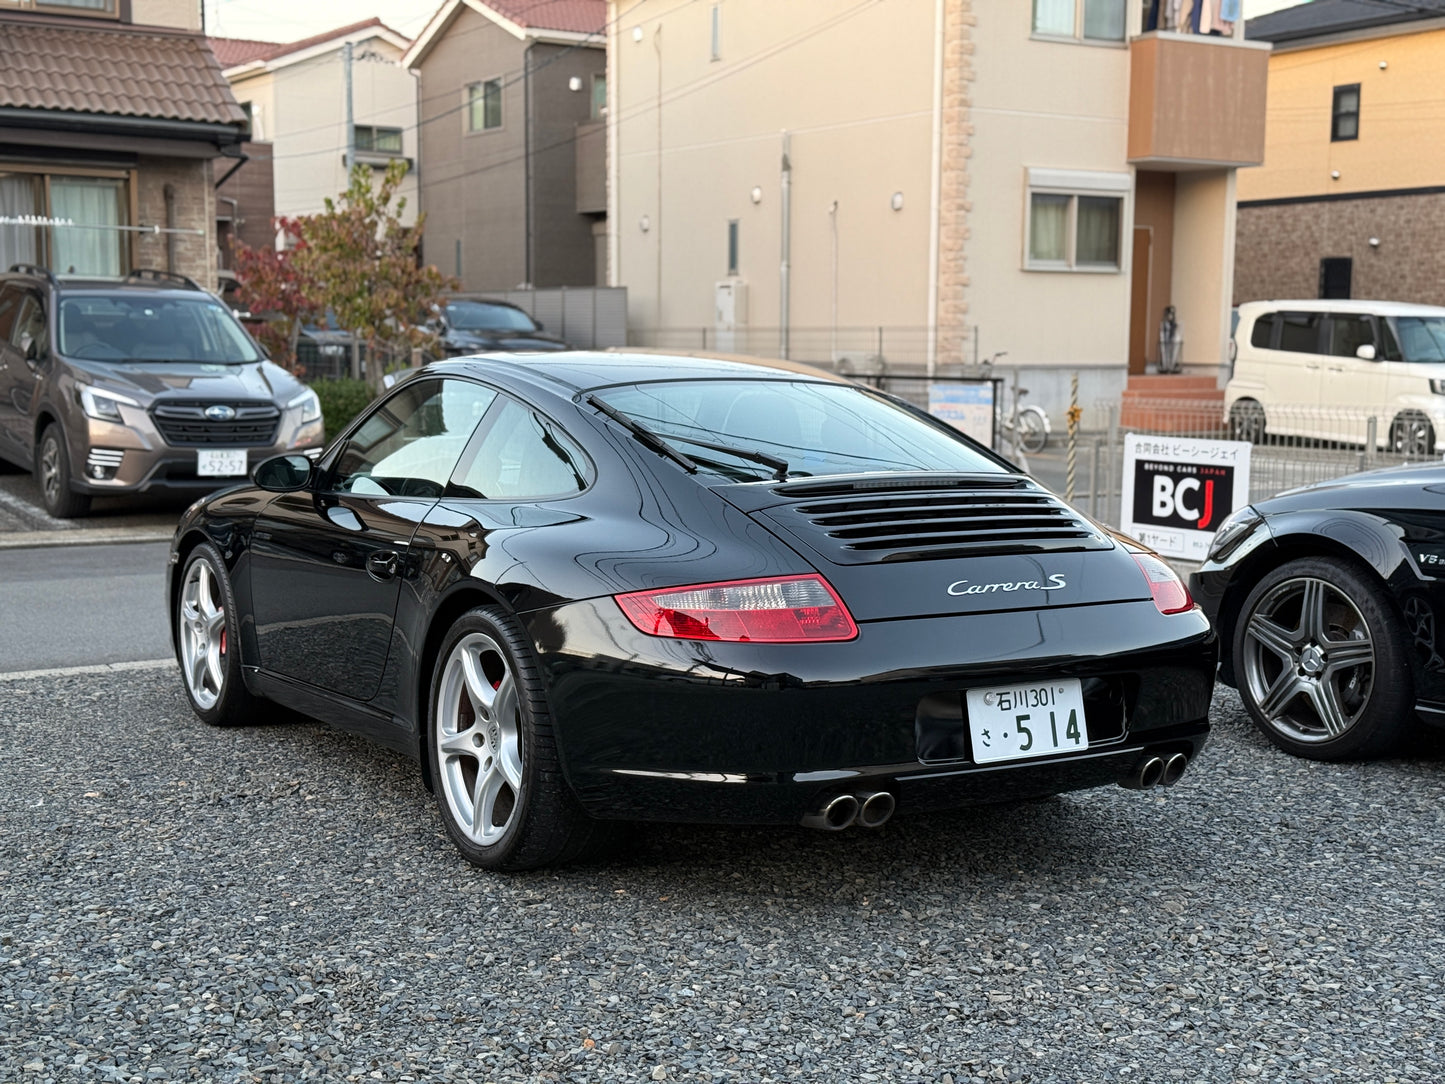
column 935, row 186
column 785, row 270
column 170, row 196
column 527, row 160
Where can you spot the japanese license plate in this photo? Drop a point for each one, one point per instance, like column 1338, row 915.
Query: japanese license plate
column 1036, row 719
column 221, row 462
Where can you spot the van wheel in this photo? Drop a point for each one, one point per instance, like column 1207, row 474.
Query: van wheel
column 1246, row 421
column 1412, row 434
column 52, row 475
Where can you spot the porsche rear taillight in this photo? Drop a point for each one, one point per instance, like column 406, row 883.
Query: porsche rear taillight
column 1165, row 587
column 780, row 610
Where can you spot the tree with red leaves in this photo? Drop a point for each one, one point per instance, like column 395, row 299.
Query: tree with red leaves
column 274, row 286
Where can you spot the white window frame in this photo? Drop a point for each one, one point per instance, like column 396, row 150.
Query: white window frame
column 480, row 98
column 1077, row 35
column 1074, row 183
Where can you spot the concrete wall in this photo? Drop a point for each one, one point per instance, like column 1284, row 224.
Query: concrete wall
column 182, row 14
column 302, row 111
column 1401, row 140
column 1203, row 264
column 695, row 137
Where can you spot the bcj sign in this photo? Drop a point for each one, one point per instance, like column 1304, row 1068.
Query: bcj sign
column 1177, row 490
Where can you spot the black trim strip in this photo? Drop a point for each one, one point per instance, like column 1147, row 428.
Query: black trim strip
column 1342, row 197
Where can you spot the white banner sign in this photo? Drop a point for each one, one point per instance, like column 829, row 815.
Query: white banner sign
column 1177, row 490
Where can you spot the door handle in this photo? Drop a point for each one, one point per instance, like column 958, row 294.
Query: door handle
column 382, row 565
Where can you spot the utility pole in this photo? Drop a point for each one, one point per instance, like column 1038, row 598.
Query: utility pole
column 350, row 124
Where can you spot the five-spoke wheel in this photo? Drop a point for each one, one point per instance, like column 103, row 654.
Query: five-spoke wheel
column 205, row 641
column 1318, row 652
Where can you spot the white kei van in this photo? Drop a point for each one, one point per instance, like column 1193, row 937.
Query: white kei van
column 1321, row 369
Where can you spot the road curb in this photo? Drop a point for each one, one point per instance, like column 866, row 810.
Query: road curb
column 15, row 540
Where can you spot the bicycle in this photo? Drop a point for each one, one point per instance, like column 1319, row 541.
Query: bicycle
column 1025, row 428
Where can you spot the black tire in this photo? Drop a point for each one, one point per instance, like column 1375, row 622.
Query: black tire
column 499, row 786
column 1320, row 660
column 1033, row 432
column 207, row 644
column 53, row 476
column 1412, row 434
column 1246, row 421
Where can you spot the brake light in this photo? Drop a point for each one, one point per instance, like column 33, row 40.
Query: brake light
column 1165, row 587
column 780, row 610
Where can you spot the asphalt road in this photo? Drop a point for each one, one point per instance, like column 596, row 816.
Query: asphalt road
column 280, row 903
column 82, row 605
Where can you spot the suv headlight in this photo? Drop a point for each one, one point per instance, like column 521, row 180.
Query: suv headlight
column 309, row 403
column 103, row 405
column 1235, row 528
column 1437, row 386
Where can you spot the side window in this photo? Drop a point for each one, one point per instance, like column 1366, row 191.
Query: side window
column 1263, row 333
column 10, row 299
column 30, row 327
column 1348, row 334
column 1300, row 332
column 410, row 444
column 522, row 455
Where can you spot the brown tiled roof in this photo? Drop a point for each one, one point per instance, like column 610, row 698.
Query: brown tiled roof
column 232, row 52
column 577, row 16
column 59, row 64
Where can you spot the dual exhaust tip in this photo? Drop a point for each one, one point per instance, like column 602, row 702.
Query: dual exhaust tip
column 1162, row 771
column 868, row 809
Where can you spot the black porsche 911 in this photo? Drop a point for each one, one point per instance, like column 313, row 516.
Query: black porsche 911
column 583, row 588
column 1326, row 598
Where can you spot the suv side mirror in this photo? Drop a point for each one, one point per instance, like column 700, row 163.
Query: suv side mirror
column 283, row 473
column 1366, row 352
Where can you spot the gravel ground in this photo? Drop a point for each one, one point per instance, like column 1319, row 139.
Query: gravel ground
column 280, row 904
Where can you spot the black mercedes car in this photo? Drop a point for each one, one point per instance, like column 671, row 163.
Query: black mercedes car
column 469, row 326
column 1325, row 598
column 582, row 588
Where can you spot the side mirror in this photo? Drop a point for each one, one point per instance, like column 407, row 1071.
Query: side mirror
column 283, row 473
column 1366, row 352
column 30, row 347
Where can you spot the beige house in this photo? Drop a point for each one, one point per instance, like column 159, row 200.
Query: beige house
column 1040, row 179
column 295, row 95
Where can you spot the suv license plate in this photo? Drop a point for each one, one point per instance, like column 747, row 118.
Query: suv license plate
column 221, row 462
column 1015, row 722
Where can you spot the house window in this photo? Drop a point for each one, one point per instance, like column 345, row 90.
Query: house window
column 98, row 205
column 733, row 246
column 1087, row 20
column 1345, row 116
column 1075, row 220
column 105, row 8
column 378, row 140
column 599, row 95
column 715, row 49
column 484, row 106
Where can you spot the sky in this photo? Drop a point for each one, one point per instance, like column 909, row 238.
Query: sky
column 291, row 20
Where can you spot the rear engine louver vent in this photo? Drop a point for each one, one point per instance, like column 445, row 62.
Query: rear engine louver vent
column 865, row 527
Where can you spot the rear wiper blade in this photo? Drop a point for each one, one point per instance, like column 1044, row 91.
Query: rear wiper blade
column 779, row 466
column 645, row 436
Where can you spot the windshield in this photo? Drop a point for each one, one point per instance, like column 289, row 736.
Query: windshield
column 480, row 315
column 815, row 428
column 146, row 329
column 1422, row 338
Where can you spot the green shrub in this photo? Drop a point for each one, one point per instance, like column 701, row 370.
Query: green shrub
column 341, row 400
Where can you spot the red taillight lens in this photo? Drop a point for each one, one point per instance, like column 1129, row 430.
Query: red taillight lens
column 784, row 610
column 1165, row 587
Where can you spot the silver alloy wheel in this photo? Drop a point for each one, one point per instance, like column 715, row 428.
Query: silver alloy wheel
column 478, row 736
column 202, row 621
column 50, row 469
column 1309, row 661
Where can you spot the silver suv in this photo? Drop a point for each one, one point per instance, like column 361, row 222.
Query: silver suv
column 143, row 385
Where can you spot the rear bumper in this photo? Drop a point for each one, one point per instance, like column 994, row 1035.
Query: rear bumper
column 654, row 729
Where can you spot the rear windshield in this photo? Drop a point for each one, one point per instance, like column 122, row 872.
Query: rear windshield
column 479, row 315
column 815, row 428
column 151, row 329
column 1422, row 338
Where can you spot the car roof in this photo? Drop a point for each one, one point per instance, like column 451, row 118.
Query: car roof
column 101, row 287
column 575, row 371
column 1346, row 305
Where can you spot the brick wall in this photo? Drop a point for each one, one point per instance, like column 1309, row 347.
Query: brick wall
column 954, row 204
column 195, row 209
column 1278, row 248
